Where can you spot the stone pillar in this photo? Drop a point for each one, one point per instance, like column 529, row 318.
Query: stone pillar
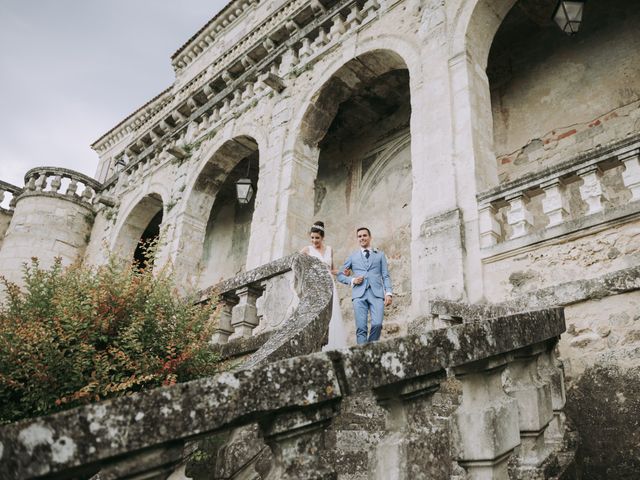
column 485, row 426
column 591, row 189
column 519, row 216
column 535, row 409
column 296, row 440
column 225, row 328
column 489, row 227
column 244, row 316
column 631, row 173
column 555, row 204
column 551, row 371
column 415, row 434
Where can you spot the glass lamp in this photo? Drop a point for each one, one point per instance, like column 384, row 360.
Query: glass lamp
column 244, row 190
column 568, row 15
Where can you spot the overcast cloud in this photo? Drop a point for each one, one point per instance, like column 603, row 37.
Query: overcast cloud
column 72, row 69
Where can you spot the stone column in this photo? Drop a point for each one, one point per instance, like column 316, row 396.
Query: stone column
column 631, row 173
column 244, row 316
column 296, row 440
column 591, row 189
column 489, row 227
column 535, row 409
column 519, row 216
column 225, row 328
column 485, row 426
column 415, row 434
column 555, row 204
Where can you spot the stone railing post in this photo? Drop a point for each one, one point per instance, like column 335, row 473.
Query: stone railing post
column 535, row 409
column 296, row 439
column 409, row 423
column 551, row 370
column 631, row 173
column 591, row 189
column 555, row 204
column 519, row 216
column 485, row 426
column 244, row 316
column 225, row 328
column 489, row 226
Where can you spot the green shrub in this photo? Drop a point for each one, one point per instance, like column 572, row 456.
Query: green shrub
column 80, row 334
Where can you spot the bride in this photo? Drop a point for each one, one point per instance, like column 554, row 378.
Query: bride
column 318, row 249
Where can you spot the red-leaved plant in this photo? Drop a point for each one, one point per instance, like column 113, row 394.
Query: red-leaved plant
column 80, row 334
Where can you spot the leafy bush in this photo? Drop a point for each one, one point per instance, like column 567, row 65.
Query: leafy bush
column 80, row 334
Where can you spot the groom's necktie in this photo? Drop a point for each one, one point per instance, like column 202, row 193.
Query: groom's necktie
column 366, row 254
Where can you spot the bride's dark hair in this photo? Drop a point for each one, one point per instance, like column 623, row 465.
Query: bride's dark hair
column 317, row 227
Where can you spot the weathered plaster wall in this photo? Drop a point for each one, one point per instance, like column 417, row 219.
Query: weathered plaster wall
column 554, row 96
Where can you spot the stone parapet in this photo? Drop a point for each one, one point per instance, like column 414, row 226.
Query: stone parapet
column 8, row 196
column 61, row 183
column 540, row 206
column 294, row 400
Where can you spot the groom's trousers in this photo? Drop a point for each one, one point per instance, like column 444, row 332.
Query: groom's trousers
column 361, row 308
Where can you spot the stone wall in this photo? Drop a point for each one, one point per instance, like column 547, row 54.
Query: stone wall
column 554, row 96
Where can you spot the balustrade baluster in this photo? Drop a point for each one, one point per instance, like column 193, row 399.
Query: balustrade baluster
column 369, row 8
column 225, row 329
column 555, row 204
column 519, row 216
column 41, row 182
column 591, row 189
column 631, row 173
column 244, row 316
column 485, row 426
column 56, row 183
column 490, row 229
column 72, row 188
column 355, row 17
column 305, row 49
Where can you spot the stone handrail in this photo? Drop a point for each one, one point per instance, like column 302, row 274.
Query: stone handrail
column 12, row 191
column 48, row 180
column 505, row 212
column 294, row 399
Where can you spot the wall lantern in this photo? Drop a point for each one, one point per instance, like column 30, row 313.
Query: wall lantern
column 568, row 15
column 244, row 190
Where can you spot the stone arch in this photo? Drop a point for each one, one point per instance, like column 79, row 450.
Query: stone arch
column 140, row 222
column 553, row 96
column 351, row 126
column 210, row 203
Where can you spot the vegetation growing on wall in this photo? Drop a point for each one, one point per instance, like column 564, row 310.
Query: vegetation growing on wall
column 79, row 334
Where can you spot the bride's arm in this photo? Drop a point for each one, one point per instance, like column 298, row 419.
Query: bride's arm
column 305, row 250
column 333, row 269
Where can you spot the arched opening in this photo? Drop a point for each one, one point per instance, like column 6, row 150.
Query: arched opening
column 358, row 123
column 149, row 237
column 226, row 241
column 554, row 96
column 215, row 235
column 141, row 227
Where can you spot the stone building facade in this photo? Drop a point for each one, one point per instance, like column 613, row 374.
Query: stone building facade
column 495, row 160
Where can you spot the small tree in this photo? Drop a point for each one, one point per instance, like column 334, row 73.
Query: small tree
column 80, row 334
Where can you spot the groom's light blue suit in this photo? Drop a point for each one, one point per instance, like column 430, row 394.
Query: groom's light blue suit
column 369, row 295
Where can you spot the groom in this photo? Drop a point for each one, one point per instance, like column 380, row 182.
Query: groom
column 371, row 284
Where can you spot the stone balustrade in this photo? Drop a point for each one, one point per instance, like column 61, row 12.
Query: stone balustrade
column 583, row 191
column 506, row 367
column 62, row 183
column 216, row 94
column 8, row 195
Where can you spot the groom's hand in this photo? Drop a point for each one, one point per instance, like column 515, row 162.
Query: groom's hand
column 388, row 300
column 358, row 280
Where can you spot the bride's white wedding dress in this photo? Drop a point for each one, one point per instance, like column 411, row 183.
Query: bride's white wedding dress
column 337, row 333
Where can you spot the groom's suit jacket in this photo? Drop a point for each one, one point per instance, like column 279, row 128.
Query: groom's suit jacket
column 374, row 270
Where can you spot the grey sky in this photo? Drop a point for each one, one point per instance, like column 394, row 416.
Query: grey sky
column 71, row 69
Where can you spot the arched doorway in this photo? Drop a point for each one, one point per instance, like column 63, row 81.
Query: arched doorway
column 358, row 126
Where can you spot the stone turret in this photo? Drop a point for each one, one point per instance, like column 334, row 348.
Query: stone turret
column 52, row 217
